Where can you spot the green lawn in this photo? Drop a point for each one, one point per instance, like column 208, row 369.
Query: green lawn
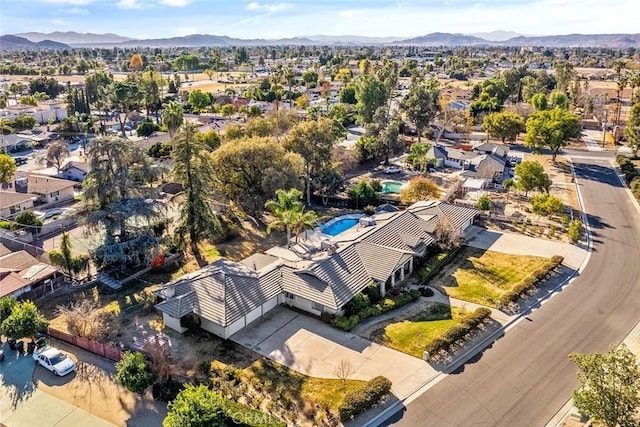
column 411, row 336
column 483, row 276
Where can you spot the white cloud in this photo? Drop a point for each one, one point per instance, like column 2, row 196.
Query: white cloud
column 75, row 11
column 175, row 3
column 60, row 22
column 350, row 13
column 129, row 4
column 273, row 7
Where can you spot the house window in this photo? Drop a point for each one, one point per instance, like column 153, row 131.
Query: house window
column 289, row 295
column 56, row 193
column 317, row 307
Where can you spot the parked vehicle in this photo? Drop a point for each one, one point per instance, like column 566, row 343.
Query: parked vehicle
column 21, row 160
column 54, row 360
column 392, row 169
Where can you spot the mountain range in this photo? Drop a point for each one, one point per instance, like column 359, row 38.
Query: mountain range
column 497, row 38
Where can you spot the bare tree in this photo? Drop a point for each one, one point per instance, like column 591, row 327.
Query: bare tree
column 343, row 370
column 84, row 319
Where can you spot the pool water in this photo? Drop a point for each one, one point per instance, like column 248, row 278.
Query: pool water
column 392, row 186
column 339, row 226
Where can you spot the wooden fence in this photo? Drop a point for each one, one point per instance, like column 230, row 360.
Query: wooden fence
column 95, row 347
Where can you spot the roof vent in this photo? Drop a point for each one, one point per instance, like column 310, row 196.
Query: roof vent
column 367, row 221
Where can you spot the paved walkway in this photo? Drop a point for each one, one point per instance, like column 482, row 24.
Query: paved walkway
column 314, row 348
column 524, row 245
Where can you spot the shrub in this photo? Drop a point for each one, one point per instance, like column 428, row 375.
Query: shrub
column 133, row 372
column 530, row 282
column 373, row 292
column 28, row 220
column 457, row 332
column 363, row 398
column 574, row 230
column 358, row 303
column 426, row 292
column 195, row 406
column 621, row 158
column 5, row 225
column 483, row 203
column 432, row 265
column 347, row 323
column 167, row 391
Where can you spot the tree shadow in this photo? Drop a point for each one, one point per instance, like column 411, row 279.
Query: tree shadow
column 16, row 377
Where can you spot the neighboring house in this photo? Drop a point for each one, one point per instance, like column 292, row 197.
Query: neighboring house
column 75, row 171
column 439, row 153
column 488, row 166
column 15, row 142
column 12, row 203
column 489, row 148
column 320, row 275
column 48, row 189
column 459, row 159
column 22, row 275
column 458, row 218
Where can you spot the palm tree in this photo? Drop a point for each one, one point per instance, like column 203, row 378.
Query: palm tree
column 173, row 116
column 290, row 78
column 192, row 168
column 303, row 221
column 5, row 127
column 286, row 207
column 419, row 156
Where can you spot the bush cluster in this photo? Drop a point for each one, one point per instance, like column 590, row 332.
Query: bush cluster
column 363, row 398
column 530, row 282
column 433, row 264
column 352, row 318
column 627, row 167
column 457, row 332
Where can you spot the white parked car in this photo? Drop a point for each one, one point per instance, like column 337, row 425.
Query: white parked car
column 54, row 360
column 392, row 169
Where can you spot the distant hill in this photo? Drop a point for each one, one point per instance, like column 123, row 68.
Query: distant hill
column 444, row 39
column 196, row 40
column 75, row 39
column 363, row 40
column 615, row 41
column 63, row 40
column 11, row 42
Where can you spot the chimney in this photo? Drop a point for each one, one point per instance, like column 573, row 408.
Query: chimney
column 170, row 291
column 22, row 185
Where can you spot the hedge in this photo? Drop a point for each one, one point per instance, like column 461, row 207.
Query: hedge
column 627, row 167
column 457, row 332
column 363, row 398
column 434, row 263
column 346, row 323
column 530, row 282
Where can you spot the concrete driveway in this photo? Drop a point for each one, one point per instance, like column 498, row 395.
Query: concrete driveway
column 314, row 348
column 22, row 404
column 517, row 244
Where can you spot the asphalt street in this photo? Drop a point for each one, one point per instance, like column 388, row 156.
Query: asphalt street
column 525, row 377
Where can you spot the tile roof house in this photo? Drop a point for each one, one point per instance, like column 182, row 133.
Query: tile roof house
column 20, row 273
column 319, row 275
column 48, row 189
column 12, row 203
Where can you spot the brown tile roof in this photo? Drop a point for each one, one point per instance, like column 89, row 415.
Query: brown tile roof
column 41, row 184
column 10, row 198
column 17, row 261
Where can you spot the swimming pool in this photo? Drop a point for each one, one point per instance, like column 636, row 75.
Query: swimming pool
column 392, row 186
column 339, row 224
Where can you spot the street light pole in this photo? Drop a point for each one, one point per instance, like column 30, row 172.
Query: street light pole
column 604, row 127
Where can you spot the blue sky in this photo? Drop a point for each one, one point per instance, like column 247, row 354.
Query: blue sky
column 287, row 18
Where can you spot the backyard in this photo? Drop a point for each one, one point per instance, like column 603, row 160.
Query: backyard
column 481, row 276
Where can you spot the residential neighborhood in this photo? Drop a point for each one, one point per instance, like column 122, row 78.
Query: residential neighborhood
column 317, row 230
